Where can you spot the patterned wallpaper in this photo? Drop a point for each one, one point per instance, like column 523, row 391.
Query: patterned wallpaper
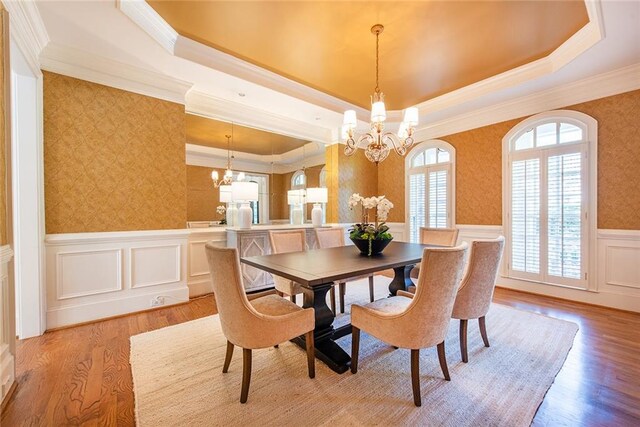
column 202, row 197
column 4, row 139
column 113, row 160
column 345, row 176
column 479, row 167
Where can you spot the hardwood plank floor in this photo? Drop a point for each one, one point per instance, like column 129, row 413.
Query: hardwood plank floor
column 81, row 375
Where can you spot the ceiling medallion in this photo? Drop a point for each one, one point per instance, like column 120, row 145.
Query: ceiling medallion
column 378, row 142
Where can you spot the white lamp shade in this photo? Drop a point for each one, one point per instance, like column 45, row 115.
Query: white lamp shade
column 228, row 173
column 378, row 112
column 225, row 193
column 295, row 197
column 241, row 176
column 402, row 131
column 350, row 119
column 244, row 191
column 411, row 116
column 317, row 195
column 214, row 175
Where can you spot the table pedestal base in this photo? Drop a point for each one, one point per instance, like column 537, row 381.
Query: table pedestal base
column 401, row 279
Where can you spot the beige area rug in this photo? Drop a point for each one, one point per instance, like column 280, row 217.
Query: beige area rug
column 178, row 380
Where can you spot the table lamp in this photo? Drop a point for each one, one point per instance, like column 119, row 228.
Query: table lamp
column 317, row 196
column 232, row 210
column 295, row 198
column 244, row 192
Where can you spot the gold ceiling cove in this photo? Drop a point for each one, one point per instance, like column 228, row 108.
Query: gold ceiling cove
column 432, row 47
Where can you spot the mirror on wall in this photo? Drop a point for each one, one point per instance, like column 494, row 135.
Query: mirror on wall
column 280, row 165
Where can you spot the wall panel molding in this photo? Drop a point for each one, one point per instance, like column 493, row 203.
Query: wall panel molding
column 155, row 265
column 96, row 271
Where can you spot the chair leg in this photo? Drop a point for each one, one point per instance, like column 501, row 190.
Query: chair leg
column 332, row 297
column 293, row 299
column 355, row 348
column 343, row 291
column 371, row 297
column 463, row 340
column 311, row 354
column 276, row 346
column 483, row 331
column 246, row 374
column 443, row 361
column 280, row 294
column 227, row 358
column 415, row 376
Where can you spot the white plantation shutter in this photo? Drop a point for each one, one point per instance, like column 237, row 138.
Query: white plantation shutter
column 525, row 216
column 565, row 215
column 547, row 212
column 417, row 190
column 438, row 198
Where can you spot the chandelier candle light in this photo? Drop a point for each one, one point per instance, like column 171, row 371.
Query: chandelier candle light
column 378, row 142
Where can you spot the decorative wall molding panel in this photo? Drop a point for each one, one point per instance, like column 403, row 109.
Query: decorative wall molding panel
column 7, row 361
column 98, row 69
column 198, row 277
column 28, row 30
column 96, row 275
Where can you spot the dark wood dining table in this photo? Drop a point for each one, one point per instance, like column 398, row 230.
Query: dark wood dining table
column 319, row 269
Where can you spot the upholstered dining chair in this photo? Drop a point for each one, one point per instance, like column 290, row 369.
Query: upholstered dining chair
column 331, row 238
column 418, row 322
column 265, row 321
column 284, row 241
column 476, row 289
column 435, row 236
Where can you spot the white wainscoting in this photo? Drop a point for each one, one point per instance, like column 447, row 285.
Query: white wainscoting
column 7, row 361
column 91, row 276
column 617, row 278
column 198, row 277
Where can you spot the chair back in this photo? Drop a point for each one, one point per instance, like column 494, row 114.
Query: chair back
column 237, row 316
column 438, row 236
column 285, row 241
column 476, row 290
column 329, row 237
column 430, row 311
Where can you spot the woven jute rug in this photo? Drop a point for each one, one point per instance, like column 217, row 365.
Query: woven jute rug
column 178, row 379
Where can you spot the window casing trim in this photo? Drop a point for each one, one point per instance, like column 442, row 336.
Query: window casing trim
column 589, row 152
column 450, row 166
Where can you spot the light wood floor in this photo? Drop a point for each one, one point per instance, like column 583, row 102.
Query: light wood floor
column 81, row 375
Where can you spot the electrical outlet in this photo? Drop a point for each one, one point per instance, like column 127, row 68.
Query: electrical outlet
column 157, row 302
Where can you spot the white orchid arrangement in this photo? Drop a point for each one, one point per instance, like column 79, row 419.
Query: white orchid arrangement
column 222, row 210
column 365, row 230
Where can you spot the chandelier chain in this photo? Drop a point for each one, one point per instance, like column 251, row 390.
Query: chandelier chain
column 377, row 60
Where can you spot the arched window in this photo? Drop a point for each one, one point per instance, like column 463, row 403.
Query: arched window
column 298, row 180
column 323, row 177
column 430, row 187
column 549, row 197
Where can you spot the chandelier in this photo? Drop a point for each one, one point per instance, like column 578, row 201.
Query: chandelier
column 228, row 174
column 378, row 142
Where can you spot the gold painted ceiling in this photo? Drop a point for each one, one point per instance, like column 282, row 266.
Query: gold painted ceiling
column 211, row 133
column 428, row 48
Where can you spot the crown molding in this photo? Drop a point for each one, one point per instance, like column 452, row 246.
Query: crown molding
column 28, row 30
column 577, row 44
column 150, row 21
column 600, row 86
column 206, row 105
column 97, row 69
column 198, row 155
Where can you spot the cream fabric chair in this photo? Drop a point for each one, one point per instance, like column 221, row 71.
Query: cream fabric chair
column 476, row 290
column 435, row 236
column 418, row 322
column 265, row 321
column 284, row 241
column 331, row 238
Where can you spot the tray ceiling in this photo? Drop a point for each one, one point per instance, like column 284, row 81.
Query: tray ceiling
column 211, row 133
column 428, row 48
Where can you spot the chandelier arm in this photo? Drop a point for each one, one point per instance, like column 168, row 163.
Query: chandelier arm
column 398, row 146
